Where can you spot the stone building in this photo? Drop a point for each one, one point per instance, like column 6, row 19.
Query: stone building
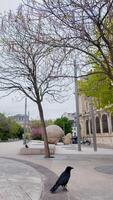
column 20, row 119
column 103, row 123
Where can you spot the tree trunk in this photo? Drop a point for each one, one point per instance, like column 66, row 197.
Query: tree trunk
column 46, row 146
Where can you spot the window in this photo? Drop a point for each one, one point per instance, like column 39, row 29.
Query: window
column 104, row 123
column 87, row 127
column 91, row 126
column 97, row 125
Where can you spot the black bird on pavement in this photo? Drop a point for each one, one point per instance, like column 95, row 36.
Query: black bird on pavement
column 63, row 179
column 26, row 146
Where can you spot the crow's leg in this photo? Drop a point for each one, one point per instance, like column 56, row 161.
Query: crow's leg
column 65, row 187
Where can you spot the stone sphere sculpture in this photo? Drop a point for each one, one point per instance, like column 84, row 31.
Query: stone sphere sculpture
column 54, row 134
column 67, row 138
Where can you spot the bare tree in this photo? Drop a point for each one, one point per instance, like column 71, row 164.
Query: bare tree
column 82, row 25
column 27, row 66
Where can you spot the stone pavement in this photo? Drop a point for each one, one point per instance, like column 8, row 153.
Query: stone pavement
column 19, row 181
column 73, row 150
column 24, row 180
column 91, row 179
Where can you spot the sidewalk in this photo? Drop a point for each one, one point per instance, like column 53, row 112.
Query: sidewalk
column 19, row 181
column 91, row 178
column 23, row 178
column 88, row 150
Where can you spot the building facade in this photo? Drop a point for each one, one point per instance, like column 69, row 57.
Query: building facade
column 20, row 119
column 70, row 116
column 103, row 123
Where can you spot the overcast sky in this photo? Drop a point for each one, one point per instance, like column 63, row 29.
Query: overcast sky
column 11, row 106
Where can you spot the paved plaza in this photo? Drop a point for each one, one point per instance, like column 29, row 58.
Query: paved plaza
column 19, row 181
column 29, row 177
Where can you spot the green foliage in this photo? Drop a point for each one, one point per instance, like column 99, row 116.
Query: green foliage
column 99, row 86
column 9, row 128
column 64, row 123
column 4, row 127
column 20, row 132
column 14, row 128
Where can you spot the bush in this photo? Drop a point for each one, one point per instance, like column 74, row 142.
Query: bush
column 9, row 128
column 20, row 133
column 4, row 136
column 65, row 124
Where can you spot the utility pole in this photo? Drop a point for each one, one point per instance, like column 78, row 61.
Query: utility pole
column 77, row 106
column 25, row 121
column 93, row 123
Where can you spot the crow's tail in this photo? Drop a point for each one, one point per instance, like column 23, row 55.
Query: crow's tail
column 54, row 188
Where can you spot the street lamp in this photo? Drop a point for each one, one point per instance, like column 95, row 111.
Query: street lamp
column 77, row 106
column 93, row 123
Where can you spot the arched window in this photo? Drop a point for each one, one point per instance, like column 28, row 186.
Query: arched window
column 91, row 126
column 112, row 122
column 97, row 125
column 104, row 123
column 87, row 127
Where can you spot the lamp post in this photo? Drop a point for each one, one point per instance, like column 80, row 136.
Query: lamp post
column 77, row 106
column 93, row 124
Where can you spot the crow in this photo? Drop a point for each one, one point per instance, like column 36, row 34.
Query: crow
column 62, row 180
column 26, row 146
